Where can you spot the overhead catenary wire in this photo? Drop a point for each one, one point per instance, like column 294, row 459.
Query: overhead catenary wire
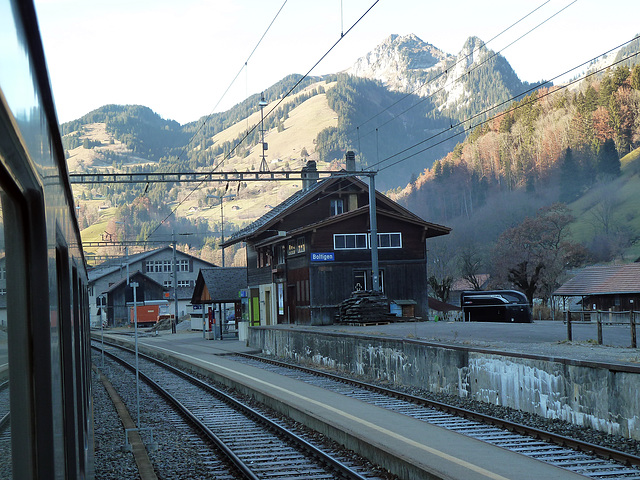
column 512, row 99
column 245, row 67
column 249, row 132
column 477, row 66
column 560, row 88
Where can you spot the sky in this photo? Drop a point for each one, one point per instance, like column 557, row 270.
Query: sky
column 179, row 57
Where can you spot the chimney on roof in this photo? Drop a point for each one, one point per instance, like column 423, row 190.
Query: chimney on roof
column 309, row 175
column 350, row 161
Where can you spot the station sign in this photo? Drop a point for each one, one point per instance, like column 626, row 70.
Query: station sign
column 323, row 257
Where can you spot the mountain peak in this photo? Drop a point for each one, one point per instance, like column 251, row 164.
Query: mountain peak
column 397, row 54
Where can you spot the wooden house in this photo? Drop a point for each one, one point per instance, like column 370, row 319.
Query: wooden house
column 606, row 287
column 312, row 251
column 157, row 265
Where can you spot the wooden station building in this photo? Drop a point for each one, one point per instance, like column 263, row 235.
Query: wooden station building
column 309, row 253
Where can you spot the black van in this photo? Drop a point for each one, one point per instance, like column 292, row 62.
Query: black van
column 495, row 306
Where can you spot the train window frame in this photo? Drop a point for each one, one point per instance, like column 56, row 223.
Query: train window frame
column 30, row 375
column 32, row 165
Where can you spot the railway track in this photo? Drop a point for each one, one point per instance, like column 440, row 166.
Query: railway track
column 4, row 405
column 5, row 431
column 586, row 459
column 256, row 446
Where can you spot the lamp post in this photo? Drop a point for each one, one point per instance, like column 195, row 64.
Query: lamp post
column 102, row 302
column 222, row 223
column 175, row 284
column 134, row 285
column 263, row 164
column 224, row 315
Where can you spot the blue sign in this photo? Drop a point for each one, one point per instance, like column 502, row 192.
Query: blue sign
column 323, row 257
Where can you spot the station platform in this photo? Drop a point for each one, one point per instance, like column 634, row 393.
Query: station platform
column 408, row 447
column 540, row 338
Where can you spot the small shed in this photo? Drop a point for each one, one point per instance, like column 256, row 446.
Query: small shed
column 217, row 287
column 443, row 307
column 608, row 287
column 120, row 294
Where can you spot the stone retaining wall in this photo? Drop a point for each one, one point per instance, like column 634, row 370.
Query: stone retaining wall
column 603, row 397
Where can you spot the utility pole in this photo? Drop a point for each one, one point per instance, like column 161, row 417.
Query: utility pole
column 222, row 226
column 175, row 283
column 374, row 233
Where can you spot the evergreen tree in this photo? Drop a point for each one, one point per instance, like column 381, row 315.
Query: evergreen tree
column 635, row 77
column 570, row 178
column 608, row 160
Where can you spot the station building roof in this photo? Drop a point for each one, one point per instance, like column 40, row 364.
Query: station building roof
column 219, row 285
column 603, row 280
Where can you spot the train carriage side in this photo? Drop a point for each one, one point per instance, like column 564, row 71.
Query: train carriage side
column 46, row 419
column 495, row 306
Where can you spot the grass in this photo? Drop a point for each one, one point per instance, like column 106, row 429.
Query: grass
column 252, row 201
column 284, row 153
column 623, row 193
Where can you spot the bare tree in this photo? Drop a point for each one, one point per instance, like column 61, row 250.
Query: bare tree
column 533, row 255
column 470, row 264
column 602, row 214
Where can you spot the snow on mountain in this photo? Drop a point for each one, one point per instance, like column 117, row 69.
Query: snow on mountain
column 410, row 65
column 393, row 61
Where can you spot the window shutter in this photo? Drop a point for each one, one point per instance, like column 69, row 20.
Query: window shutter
column 191, row 264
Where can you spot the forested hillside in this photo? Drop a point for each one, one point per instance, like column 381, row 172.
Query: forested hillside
column 378, row 122
column 133, row 139
column 556, row 145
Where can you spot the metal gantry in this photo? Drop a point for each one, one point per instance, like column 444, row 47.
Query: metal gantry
column 198, row 177
column 261, row 176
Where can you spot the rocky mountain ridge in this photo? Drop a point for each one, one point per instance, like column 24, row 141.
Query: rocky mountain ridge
column 408, row 64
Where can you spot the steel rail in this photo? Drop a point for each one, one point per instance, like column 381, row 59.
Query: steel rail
column 575, row 444
column 279, row 430
column 232, row 457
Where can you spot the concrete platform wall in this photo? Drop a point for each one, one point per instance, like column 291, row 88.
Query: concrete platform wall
column 606, row 399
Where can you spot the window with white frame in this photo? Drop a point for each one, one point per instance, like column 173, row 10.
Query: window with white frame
column 337, row 206
column 167, row 266
column 183, row 265
column 353, row 241
column 167, row 284
column 184, row 283
column 349, row 241
column 3, row 273
column 390, row 240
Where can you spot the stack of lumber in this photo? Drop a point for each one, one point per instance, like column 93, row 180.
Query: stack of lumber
column 364, row 307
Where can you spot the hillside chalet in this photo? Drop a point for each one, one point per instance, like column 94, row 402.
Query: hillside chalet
column 312, row 251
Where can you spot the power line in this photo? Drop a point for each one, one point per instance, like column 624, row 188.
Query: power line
column 244, row 66
column 560, row 88
column 477, row 66
column 343, row 35
column 442, row 73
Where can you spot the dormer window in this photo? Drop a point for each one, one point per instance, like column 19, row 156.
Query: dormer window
column 337, row 206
